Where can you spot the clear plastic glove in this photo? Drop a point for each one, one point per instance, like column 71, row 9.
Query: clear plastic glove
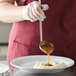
column 34, row 12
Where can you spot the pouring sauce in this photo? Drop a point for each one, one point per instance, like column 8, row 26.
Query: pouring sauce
column 47, row 48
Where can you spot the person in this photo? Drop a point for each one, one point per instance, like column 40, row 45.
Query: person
column 59, row 26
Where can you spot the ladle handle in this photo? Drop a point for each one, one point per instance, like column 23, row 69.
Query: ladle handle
column 40, row 22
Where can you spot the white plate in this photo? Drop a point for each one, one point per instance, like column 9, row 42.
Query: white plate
column 25, row 64
column 3, row 68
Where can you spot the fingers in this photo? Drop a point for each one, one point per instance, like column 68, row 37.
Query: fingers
column 38, row 12
column 34, row 18
column 44, row 7
column 30, row 15
column 34, row 12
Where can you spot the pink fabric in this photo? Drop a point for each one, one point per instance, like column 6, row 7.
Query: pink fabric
column 59, row 28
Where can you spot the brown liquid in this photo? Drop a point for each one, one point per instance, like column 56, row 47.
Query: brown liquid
column 48, row 49
column 48, row 62
column 48, row 59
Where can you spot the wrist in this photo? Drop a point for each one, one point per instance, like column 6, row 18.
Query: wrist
column 24, row 12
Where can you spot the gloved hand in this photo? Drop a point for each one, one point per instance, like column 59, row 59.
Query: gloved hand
column 33, row 11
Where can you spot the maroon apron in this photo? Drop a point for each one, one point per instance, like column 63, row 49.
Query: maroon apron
column 59, row 28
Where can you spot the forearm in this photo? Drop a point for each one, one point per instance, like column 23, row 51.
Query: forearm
column 10, row 13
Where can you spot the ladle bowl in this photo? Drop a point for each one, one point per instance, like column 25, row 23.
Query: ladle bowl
column 46, row 47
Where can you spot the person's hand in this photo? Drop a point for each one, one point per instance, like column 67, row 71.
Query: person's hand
column 34, row 12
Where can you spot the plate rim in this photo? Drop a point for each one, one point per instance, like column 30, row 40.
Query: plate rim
column 6, row 70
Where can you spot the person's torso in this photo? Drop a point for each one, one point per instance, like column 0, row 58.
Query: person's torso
column 59, row 27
